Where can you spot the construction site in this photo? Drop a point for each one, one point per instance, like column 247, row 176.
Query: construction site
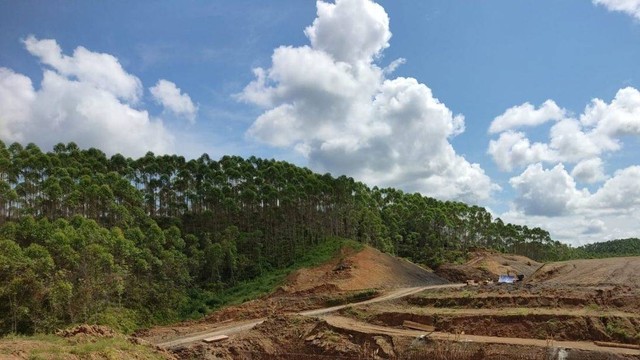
column 370, row 305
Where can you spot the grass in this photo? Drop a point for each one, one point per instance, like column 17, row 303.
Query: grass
column 269, row 281
column 54, row 347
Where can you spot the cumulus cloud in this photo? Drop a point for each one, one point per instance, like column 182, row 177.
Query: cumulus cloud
column 630, row 7
column 598, row 130
column 102, row 71
column 589, row 171
column 546, row 192
column 554, row 192
column 16, row 99
column 547, row 195
column 621, row 193
column 526, row 115
column 331, row 102
column 171, row 98
column 513, row 149
column 87, row 98
column 350, row 30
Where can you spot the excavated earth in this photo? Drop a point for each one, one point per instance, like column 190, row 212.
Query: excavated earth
column 556, row 303
column 348, row 274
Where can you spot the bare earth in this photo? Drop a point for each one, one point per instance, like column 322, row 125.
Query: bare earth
column 559, row 311
column 624, row 271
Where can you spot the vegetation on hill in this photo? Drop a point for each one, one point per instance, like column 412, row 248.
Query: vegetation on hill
column 612, row 248
column 85, row 238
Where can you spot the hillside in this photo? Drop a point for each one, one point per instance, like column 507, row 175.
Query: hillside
column 366, row 269
column 485, row 265
column 622, row 271
column 86, row 238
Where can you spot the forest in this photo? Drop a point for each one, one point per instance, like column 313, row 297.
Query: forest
column 86, row 238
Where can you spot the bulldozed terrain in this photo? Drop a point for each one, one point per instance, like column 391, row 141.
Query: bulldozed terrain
column 369, row 305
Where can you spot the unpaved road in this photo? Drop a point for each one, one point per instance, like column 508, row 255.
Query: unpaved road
column 351, row 324
column 236, row 327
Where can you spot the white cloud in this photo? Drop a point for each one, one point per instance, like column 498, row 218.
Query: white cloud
column 102, row 71
column 620, row 117
column 621, row 193
column 87, row 98
column 526, row 115
column 546, row 192
column 171, row 97
column 16, row 99
column 550, row 197
column 350, row 30
column 630, row 7
column 598, row 130
column 589, row 171
column 333, row 104
column 513, row 149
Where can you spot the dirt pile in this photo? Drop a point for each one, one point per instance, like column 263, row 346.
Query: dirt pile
column 488, row 265
column 96, row 331
column 366, row 269
column 460, row 273
column 593, row 272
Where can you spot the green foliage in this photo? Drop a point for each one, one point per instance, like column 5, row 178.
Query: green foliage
column 203, row 302
column 612, row 248
column 165, row 238
column 123, row 320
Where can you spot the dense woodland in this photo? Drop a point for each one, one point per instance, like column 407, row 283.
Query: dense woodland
column 90, row 238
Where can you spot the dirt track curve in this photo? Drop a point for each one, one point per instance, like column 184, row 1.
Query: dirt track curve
column 237, row 327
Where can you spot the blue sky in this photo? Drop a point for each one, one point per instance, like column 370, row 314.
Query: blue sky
column 179, row 77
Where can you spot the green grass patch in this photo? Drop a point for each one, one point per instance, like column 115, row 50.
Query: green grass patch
column 51, row 347
column 202, row 303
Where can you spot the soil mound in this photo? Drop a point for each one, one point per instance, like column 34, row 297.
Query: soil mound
column 499, row 264
column 366, row 269
column 88, row 330
column 461, row 273
column 621, row 271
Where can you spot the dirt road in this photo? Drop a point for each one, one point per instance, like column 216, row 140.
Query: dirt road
column 351, row 324
column 237, row 327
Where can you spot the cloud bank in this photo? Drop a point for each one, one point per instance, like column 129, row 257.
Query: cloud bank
column 547, row 194
column 87, row 98
column 331, row 102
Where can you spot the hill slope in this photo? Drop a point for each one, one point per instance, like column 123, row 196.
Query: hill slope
column 594, row 272
column 366, row 269
column 484, row 265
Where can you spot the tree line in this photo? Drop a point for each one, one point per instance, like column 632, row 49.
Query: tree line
column 90, row 238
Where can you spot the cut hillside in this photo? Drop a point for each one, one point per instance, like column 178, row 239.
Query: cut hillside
column 365, row 269
column 488, row 265
column 622, row 271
